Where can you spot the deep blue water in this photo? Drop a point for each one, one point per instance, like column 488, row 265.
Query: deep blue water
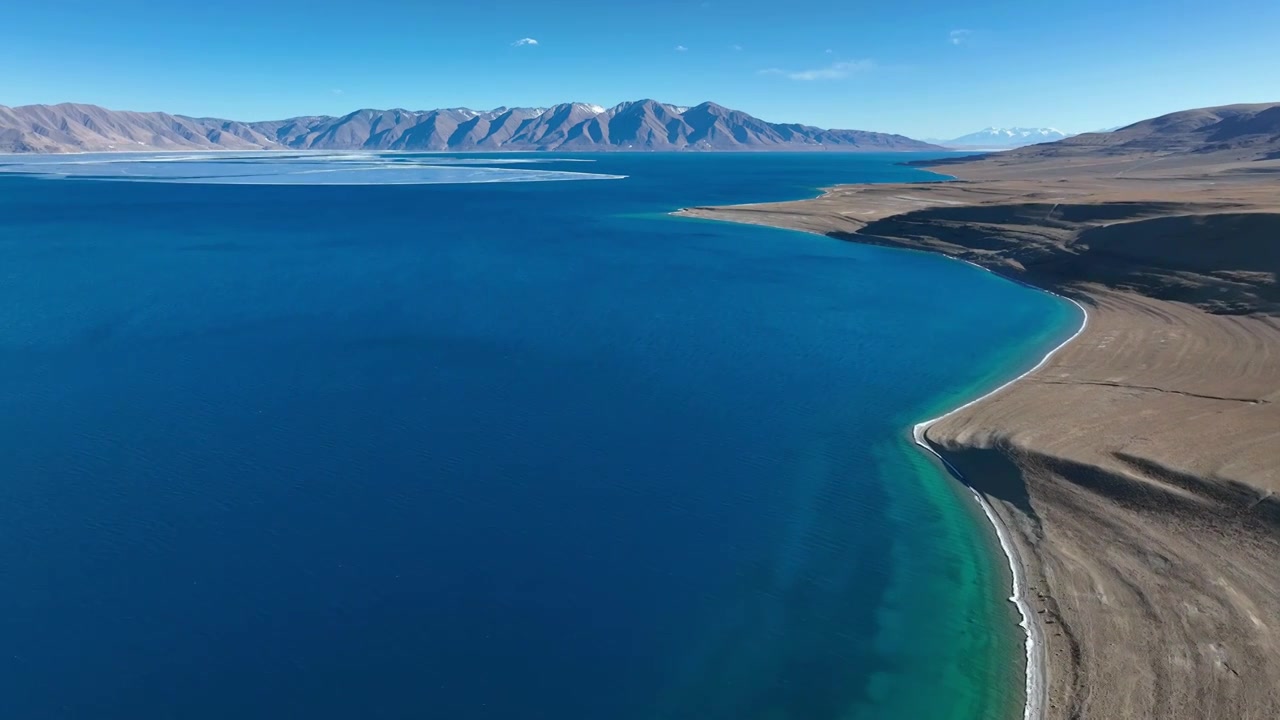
column 526, row 450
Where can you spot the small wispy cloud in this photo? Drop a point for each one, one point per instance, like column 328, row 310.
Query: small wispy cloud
column 681, row 48
column 736, row 47
column 336, row 91
column 829, row 51
column 834, row 71
column 960, row 37
column 523, row 42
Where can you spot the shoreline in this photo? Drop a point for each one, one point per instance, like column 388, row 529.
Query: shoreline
column 1036, row 669
column 1036, row 657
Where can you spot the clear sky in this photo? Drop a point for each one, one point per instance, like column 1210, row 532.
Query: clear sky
column 926, row 68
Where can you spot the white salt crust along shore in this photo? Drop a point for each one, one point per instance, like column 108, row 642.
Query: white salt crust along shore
column 1036, row 688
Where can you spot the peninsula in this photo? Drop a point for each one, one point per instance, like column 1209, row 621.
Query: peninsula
column 1137, row 470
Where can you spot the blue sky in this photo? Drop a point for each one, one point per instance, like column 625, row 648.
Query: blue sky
column 925, row 68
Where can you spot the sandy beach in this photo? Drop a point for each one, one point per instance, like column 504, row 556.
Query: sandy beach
column 1136, row 471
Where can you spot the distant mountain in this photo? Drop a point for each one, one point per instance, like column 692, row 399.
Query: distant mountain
column 1229, row 133
column 641, row 125
column 996, row 138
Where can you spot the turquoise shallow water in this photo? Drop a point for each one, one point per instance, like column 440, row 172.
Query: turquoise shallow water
column 492, row 450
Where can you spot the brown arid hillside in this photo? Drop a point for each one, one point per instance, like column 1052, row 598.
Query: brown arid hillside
column 1191, row 139
column 1248, row 132
column 578, row 127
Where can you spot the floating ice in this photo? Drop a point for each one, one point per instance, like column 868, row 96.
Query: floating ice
column 279, row 168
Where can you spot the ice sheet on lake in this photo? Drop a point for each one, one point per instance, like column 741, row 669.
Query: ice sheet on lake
column 278, row 168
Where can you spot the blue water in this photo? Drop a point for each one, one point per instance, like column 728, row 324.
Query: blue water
column 513, row 450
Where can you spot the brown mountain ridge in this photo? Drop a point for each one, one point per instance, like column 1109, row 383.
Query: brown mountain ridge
column 641, row 125
column 1185, row 142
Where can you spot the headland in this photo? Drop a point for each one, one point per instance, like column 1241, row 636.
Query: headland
column 1136, row 471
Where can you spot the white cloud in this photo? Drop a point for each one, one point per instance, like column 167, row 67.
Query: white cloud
column 834, row 71
column 336, row 91
column 522, row 42
column 736, row 47
column 960, row 37
column 681, row 48
column 829, row 51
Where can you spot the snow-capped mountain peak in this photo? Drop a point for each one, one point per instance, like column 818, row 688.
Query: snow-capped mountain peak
column 994, row 137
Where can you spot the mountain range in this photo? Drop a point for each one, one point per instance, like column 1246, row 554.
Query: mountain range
column 576, row 127
column 993, row 138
